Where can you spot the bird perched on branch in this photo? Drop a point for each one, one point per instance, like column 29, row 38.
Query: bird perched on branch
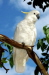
column 25, row 32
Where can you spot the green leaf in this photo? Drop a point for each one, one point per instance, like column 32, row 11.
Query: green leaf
column 40, row 42
column 1, row 66
column 11, row 62
column 48, row 61
column 44, row 39
column 38, row 45
column 46, row 66
column 37, row 70
column 47, row 38
column 44, row 29
column 42, row 59
column 43, row 47
column 46, row 57
column 47, row 48
column 47, row 30
column 5, row 44
column 4, row 60
column 44, row 54
column 47, row 34
column 10, row 48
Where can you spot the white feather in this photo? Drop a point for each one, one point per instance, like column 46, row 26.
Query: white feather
column 25, row 32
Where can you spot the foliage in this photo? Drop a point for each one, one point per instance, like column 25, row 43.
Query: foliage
column 9, row 47
column 9, row 58
column 44, row 45
column 39, row 3
column 11, row 61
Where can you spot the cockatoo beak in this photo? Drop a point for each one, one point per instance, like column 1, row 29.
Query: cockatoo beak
column 25, row 12
column 38, row 16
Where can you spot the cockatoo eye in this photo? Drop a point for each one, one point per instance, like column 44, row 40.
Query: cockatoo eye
column 34, row 13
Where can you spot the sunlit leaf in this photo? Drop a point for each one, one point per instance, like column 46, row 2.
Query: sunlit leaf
column 38, row 45
column 44, row 29
column 4, row 60
column 11, row 62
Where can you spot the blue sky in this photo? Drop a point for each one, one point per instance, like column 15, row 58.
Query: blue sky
column 10, row 16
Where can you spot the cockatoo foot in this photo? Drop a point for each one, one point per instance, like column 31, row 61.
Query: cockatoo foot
column 23, row 44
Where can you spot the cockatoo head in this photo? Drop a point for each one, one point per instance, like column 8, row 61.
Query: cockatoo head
column 32, row 16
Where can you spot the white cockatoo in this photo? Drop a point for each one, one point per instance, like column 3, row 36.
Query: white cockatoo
column 25, row 32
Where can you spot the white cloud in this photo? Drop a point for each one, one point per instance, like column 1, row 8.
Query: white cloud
column 21, row 5
column 1, row 1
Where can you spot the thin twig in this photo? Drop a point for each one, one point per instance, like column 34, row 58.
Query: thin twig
column 4, row 67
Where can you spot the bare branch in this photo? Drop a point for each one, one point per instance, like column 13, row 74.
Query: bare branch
column 31, row 53
column 4, row 67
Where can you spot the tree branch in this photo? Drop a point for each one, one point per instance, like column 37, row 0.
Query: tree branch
column 5, row 69
column 31, row 53
column 4, row 66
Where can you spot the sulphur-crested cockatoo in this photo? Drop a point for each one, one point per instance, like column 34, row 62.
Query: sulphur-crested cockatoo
column 25, row 32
